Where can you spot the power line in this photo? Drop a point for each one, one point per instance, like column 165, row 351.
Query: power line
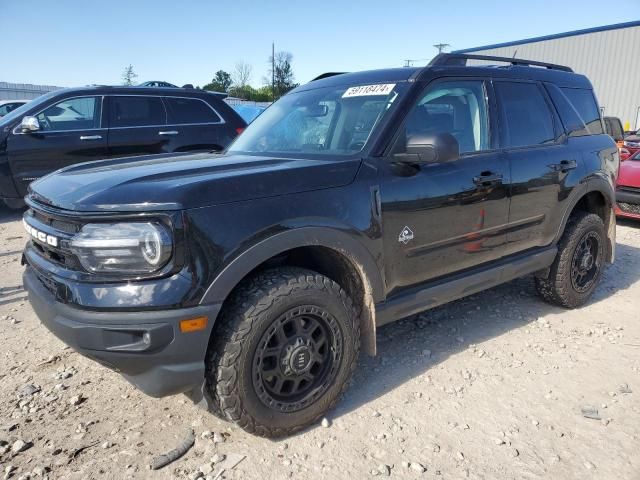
column 410, row 61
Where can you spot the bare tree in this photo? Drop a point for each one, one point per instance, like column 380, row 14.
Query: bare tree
column 129, row 76
column 241, row 74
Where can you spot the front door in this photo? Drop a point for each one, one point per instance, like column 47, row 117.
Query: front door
column 441, row 218
column 70, row 132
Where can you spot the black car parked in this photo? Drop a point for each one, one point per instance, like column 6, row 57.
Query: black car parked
column 82, row 124
column 250, row 279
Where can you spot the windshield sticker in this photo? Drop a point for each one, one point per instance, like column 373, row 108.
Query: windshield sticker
column 368, row 90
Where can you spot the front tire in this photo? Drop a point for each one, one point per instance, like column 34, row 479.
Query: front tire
column 285, row 350
column 577, row 269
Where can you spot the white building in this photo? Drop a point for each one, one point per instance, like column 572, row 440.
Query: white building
column 609, row 56
column 23, row 91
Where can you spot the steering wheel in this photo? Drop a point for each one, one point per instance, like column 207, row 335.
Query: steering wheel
column 356, row 146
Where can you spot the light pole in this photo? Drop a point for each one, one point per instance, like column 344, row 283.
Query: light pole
column 441, row 46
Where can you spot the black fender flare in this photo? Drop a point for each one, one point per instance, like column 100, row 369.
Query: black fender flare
column 596, row 183
column 338, row 240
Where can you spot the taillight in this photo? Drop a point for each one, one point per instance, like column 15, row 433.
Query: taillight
column 239, row 130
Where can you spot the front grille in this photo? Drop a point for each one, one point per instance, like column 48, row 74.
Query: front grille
column 629, row 207
column 62, row 230
column 60, row 225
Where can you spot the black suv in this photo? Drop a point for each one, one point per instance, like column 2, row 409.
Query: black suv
column 250, row 279
column 82, row 124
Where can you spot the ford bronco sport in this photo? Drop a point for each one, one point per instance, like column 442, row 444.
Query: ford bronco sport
column 250, row 279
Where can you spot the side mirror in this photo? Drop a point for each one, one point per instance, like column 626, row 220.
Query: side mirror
column 29, row 124
column 430, row 148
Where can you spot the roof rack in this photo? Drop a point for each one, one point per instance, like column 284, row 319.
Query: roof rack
column 327, row 75
column 460, row 59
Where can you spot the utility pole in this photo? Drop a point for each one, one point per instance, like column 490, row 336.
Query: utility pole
column 441, row 46
column 273, row 71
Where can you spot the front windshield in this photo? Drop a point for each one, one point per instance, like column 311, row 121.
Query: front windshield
column 21, row 111
column 329, row 120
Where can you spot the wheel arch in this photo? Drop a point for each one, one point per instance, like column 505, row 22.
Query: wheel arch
column 333, row 253
column 597, row 196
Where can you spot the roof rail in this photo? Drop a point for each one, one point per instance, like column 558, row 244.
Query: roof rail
column 460, row 59
column 327, row 75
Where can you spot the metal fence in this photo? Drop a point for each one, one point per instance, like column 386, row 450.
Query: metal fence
column 23, row 91
column 240, row 101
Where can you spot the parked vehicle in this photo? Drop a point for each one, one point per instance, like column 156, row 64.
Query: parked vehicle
column 7, row 106
column 632, row 143
column 158, row 83
column 250, row 279
column 628, row 188
column 82, row 124
column 613, row 128
column 248, row 112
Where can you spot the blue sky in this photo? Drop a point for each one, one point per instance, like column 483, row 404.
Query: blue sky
column 71, row 43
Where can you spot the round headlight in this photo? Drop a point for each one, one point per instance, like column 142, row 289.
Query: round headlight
column 152, row 248
column 131, row 248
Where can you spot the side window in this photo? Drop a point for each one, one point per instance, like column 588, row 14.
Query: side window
column 613, row 128
column 525, row 118
column 82, row 113
column 573, row 123
column 131, row 111
column 456, row 107
column 189, row 110
column 585, row 104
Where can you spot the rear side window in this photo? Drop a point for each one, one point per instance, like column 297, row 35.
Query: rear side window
column 189, row 110
column 585, row 104
column 136, row 112
column 525, row 118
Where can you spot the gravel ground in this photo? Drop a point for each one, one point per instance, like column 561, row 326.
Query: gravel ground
column 498, row 385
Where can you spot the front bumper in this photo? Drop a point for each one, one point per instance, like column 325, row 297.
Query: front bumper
column 628, row 203
column 146, row 347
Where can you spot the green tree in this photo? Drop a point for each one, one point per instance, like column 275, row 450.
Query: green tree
column 220, row 82
column 129, row 76
column 281, row 74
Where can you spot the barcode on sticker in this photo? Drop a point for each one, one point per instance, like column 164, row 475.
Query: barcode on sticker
column 366, row 90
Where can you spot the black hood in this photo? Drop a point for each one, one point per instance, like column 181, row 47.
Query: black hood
column 182, row 181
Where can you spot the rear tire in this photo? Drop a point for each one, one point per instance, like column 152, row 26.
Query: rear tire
column 284, row 352
column 577, row 269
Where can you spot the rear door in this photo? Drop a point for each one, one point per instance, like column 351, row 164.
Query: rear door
column 193, row 124
column 544, row 166
column 138, row 126
column 70, row 132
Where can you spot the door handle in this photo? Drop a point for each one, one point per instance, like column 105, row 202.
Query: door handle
column 564, row 166
column 486, row 179
column 168, row 132
column 91, row 137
